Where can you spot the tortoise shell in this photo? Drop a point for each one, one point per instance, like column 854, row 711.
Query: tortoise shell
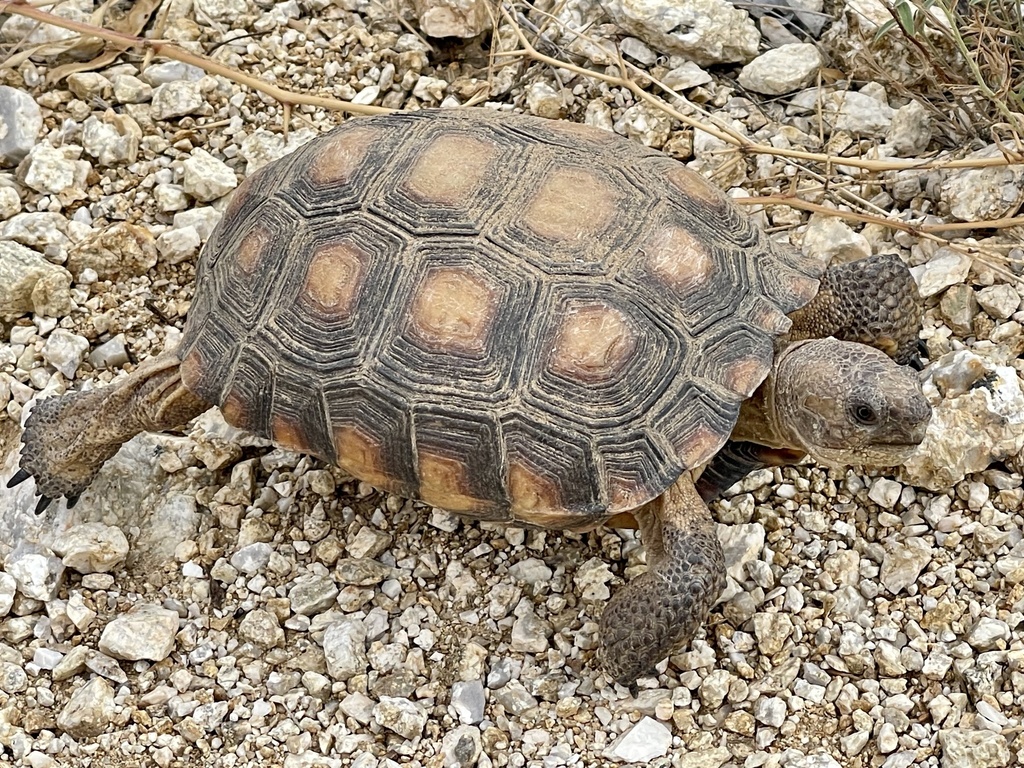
column 507, row 317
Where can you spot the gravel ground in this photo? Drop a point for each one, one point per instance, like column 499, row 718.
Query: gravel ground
column 214, row 601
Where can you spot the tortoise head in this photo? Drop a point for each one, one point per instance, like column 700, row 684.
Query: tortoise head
column 848, row 404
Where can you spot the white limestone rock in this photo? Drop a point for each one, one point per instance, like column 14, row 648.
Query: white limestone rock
column 112, row 139
column 453, row 18
column 89, row 710
column 38, row 573
column 345, row 649
column 177, row 99
column 20, row 124
column 911, row 130
column 146, row 631
column 120, row 250
column 979, row 194
column 65, row 351
column 782, row 70
column 705, row 31
column 858, row 114
column 54, row 171
column 205, row 177
column 979, row 420
column 832, row 241
column 645, row 741
column 92, row 548
column 400, row 715
column 29, row 283
column 946, row 268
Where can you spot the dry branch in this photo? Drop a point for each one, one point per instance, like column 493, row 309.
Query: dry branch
column 123, row 41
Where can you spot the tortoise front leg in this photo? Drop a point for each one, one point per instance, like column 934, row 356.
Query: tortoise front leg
column 873, row 301
column 664, row 608
column 67, row 439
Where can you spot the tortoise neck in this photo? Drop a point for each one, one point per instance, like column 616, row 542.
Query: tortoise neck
column 760, row 420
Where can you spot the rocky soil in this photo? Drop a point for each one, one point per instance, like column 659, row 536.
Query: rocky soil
column 213, row 601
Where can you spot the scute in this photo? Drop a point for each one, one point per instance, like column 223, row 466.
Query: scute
column 511, row 318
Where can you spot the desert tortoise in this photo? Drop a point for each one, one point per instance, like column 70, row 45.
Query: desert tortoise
column 516, row 320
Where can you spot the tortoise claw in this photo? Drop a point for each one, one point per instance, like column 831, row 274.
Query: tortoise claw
column 72, row 500
column 19, row 477
column 42, row 504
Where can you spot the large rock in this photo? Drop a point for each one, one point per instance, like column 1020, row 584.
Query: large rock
column 977, row 419
column 146, row 631
column 131, row 492
column 644, row 741
column 29, row 283
column 55, row 171
column 977, row 194
column 782, row 70
column 453, row 18
column 20, row 124
column 963, row 748
column 89, row 710
column 121, row 250
column 705, row 31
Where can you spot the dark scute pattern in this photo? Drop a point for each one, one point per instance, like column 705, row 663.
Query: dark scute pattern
column 311, row 197
column 591, row 256
column 372, row 410
column 788, row 278
column 252, row 385
column 637, row 461
column 248, row 296
column 719, row 297
column 392, row 201
column 412, row 364
column 567, row 426
column 558, row 452
column 727, row 346
column 325, row 341
column 215, row 339
column 705, row 404
column 519, row 129
column 472, row 440
column 244, row 206
column 618, row 402
column 300, row 405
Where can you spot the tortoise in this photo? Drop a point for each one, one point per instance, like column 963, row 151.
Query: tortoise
column 518, row 320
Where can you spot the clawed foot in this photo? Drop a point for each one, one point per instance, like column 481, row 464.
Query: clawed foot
column 44, row 501
column 57, row 450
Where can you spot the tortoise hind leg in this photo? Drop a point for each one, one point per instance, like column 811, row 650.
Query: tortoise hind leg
column 666, row 606
column 67, row 439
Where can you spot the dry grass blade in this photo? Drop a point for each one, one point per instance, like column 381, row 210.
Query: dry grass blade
column 978, row 48
column 131, row 24
column 744, row 144
column 124, row 41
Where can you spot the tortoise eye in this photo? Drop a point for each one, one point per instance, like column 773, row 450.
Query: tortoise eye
column 864, row 414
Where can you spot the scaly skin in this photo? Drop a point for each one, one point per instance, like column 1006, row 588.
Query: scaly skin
column 874, row 301
column 664, row 608
column 68, row 438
